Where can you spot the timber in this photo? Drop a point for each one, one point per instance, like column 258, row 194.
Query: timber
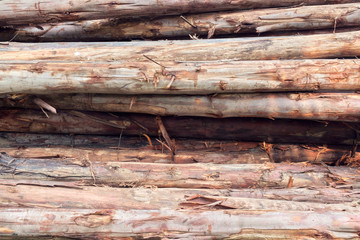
column 26, row 12
column 236, row 153
column 315, row 46
column 201, row 78
column 19, row 193
column 196, row 175
column 207, row 24
column 244, row 129
column 309, row 106
column 100, row 223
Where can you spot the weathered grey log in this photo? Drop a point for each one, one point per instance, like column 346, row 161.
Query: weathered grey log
column 204, row 25
column 26, row 12
column 172, row 224
column 336, row 45
column 309, row 106
column 189, row 77
column 240, row 129
column 196, row 175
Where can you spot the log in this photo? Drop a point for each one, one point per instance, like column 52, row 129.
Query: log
column 310, row 106
column 28, row 12
column 20, row 194
column 196, row 151
column 336, row 45
column 196, row 175
column 172, row 224
column 189, row 77
column 203, row 25
column 243, row 152
column 240, row 129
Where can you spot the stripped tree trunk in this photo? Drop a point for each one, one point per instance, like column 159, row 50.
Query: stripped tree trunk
column 245, row 129
column 309, row 106
column 26, row 12
column 205, row 25
column 186, row 224
column 197, row 175
column 180, row 78
column 312, row 46
column 18, row 193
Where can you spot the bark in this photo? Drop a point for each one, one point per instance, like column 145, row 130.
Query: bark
column 27, row 12
column 295, row 47
column 172, row 224
column 309, row 106
column 150, row 199
column 101, row 148
column 240, row 129
column 207, row 25
column 230, row 153
column 197, row 175
column 190, row 78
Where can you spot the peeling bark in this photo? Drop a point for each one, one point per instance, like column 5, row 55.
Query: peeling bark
column 25, row 12
column 180, row 224
column 190, row 78
column 197, row 175
column 240, row 129
column 336, row 45
column 309, row 106
column 13, row 196
column 230, row 153
column 207, row 25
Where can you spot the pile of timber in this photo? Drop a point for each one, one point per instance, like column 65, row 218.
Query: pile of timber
column 179, row 119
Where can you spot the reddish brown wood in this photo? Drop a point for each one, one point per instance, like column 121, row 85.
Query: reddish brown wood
column 241, row 129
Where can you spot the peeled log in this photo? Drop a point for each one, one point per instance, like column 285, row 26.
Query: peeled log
column 240, row 129
column 27, row 12
column 19, row 193
column 208, row 24
column 196, row 175
column 190, row 77
column 336, row 45
column 185, row 224
column 309, row 106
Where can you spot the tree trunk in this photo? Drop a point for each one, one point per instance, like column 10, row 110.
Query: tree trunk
column 187, row 78
column 231, row 153
column 204, row 25
column 169, row 198
column 240, row 129
column 28, row 12
column 309, row 106
column 176, row 224
column 196, row 175
column 295, row 47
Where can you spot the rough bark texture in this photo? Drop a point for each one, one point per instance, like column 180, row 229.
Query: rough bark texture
column 190, row 77
column 204, row 25
column 245, row 129
column 239, row 152
column 309, row 106
column 25, row 12
column 196, row 175
column 336, row 45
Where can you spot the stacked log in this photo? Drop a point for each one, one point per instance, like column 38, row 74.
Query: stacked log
column 237, row 120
